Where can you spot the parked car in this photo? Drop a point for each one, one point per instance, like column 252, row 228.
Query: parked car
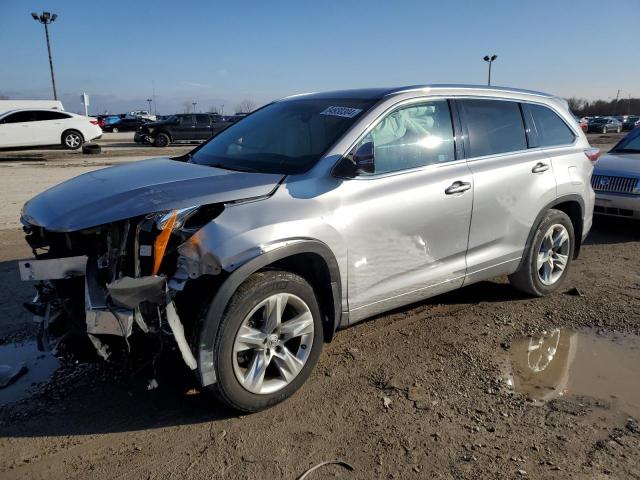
column 616, row 179
column 180, row 128
column 628, row 121
column 30, row 128
column 312, row 214
column 125, row 125
column 604, row 125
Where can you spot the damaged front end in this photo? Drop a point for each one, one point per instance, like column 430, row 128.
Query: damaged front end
column 117, row 284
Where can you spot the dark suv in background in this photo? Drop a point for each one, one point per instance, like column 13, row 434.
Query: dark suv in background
column 180, row 128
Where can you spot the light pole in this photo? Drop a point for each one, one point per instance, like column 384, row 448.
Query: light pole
column 46, row 18
column 194, row 106
column 149, row 100
column 615, row 106
column 490, row 60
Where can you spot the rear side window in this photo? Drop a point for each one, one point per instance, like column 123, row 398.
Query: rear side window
column 494, row 126
column 202, row 119
column 186, row 120
column 550, row 127
column 44, row 115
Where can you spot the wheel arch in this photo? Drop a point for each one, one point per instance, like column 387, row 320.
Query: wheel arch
column 573, row 206
column 67, row 130
column 311, row 259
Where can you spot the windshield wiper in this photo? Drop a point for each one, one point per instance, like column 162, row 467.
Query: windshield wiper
column 234, row 168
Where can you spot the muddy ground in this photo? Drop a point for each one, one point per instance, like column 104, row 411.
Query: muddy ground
column 417, row 393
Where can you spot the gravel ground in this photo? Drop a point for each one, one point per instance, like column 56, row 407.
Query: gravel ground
column 417, row 393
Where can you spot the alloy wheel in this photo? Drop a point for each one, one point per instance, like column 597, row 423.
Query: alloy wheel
column 72, row 140
column 553, row 254
column 273, row 343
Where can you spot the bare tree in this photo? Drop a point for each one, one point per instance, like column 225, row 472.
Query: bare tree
column 187, row 106
column 576, row 104
column 214, row 109
column 246, row 106
column 4, row 97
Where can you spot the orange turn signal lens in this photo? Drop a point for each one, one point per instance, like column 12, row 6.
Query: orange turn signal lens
column 161, row 242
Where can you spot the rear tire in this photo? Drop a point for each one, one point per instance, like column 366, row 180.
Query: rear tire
column 290, row 351
column 72, row 139
column 161, row 140
column 549, row 257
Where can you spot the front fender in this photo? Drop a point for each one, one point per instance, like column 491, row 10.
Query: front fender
column 212, row 320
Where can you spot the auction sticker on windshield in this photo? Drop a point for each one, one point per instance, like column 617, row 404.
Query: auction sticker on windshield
column 345, row 112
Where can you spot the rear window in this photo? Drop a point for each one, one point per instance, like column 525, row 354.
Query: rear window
column 44, row 115
column 550, row 127
column 494, row 127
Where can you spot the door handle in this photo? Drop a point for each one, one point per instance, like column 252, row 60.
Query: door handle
column 540, row 167
column 457, row 187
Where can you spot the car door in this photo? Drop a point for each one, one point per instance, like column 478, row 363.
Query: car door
column 512, row 185
column 184, row 129
column 203, row 127
column 16, row 130
column 407, row 225
column 49, row 126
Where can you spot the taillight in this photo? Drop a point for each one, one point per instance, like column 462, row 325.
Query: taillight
column 93, row 122
column 592, row 153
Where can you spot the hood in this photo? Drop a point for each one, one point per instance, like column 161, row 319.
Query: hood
column 138, row 188
column 618, row 164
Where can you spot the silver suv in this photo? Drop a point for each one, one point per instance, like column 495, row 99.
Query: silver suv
column 309, row 215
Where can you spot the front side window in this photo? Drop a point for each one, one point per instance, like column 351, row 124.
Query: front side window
column 412, row 136
column 284, row 137
column 19, row 117
column 550, row 127
column 494, row 126
column 203, row 119
column 186, row 120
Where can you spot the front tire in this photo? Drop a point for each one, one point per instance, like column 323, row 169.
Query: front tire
column 547, row 261
column 115, row 130
column 268, row 342
column 161, row 140
column 72, row 139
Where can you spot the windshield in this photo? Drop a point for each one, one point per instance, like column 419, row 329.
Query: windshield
column 629, row 144
column 599, row 120
column 284, row 137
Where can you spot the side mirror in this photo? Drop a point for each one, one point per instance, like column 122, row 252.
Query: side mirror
column 363, row 159
column 355, row 163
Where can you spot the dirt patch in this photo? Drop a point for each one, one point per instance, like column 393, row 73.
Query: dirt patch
column 417, row 393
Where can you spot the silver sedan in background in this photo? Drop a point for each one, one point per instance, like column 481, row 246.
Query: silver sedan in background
column 616, row 179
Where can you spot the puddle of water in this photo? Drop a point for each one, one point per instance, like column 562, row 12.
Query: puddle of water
column 41, row 366
column 564, row 362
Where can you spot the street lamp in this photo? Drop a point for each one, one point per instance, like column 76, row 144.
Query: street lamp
column 46, row 18
column 194, row 106
column 149, row 100
column 489, row 59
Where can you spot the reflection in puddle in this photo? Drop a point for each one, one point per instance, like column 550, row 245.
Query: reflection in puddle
column 40, row 365
column 564, row 362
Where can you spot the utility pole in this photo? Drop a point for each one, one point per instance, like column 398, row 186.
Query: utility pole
column 629, row 106
column 615, row 107
column 149, row 100
column 490, row 60
column 155, row 104
column 46, row 18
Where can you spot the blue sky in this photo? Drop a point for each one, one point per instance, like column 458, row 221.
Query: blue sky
column 216, row 52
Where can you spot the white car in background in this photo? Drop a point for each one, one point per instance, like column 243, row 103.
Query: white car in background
column 34, row 127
